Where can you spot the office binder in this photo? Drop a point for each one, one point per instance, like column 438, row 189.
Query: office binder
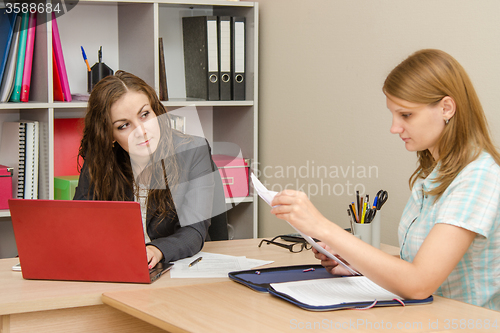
column 225, row 58
column 238, row 63
column 61, row 67
column 56, row 79
column 10, row 68
column 12, row 152
column 21, row 54
column 31, row 160
column 19, row 148
column 28, row 60
column 163, row 73
column 7, row 23
column 68, row 133
column 201, row 57
column 275, row 280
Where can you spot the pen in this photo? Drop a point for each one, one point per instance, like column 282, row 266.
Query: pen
column 194, row 262
column 85, row 58
column 357, row 202
column 364, row 214
column 350, row 219
column 360, row 208
column 353, row 212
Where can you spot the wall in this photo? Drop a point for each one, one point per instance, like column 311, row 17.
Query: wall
column 322, row 66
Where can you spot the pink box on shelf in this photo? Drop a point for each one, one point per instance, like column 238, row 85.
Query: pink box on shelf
column 5, row 186
column 234, row 174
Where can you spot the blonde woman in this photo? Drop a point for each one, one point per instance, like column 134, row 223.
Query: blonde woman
column 449, row 233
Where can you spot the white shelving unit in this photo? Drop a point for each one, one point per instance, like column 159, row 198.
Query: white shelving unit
column 128, row 32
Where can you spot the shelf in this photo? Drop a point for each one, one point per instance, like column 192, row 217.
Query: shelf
column 186, row 102
column 19, row 106
column 238, row 200
column 174, row 2
column 128, row 31
column 177, row 102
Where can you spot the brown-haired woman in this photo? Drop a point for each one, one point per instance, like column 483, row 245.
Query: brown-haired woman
column 449, row 233
column 130, row 152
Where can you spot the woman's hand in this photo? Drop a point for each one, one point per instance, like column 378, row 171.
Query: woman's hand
column 154, row 255
column 331, row 265
column 296, row 208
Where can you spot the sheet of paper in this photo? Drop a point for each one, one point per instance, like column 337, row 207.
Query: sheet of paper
column 268, row 196
column 213, row 265
column 332, row 291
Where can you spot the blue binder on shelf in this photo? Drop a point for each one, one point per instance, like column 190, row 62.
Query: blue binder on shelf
column 10, row 67
column 201, row 57
column 7, row 23
column 21, row 54
column 239, row 57
column 268, row 279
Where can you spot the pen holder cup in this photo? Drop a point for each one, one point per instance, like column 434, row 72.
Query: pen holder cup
column 99, row 71
column 369, row 232
column 364, row 231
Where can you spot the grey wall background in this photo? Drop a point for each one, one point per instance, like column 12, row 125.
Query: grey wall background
column 322, row 66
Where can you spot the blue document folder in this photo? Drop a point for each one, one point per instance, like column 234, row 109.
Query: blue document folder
column 263, row 280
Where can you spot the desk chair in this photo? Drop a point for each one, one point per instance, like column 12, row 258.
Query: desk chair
column 218, row 226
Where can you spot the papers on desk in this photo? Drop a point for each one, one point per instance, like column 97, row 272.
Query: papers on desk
column 268, row 196
column 213, row 265
column 327, row 292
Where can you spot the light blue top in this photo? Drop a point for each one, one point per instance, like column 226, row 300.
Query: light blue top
column 472, row 202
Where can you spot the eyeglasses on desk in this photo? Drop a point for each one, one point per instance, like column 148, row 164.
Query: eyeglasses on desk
column 294, row 246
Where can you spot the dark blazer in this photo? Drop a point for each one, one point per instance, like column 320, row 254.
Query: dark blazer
column 183, row 235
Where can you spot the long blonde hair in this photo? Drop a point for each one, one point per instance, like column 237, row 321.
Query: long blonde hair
column 426, row 77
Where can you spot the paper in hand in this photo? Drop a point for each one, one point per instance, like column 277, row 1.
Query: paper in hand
column 268, row 197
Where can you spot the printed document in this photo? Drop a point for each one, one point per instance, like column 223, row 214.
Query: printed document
column 325, row 292
column 213, row 265
column 268, row 196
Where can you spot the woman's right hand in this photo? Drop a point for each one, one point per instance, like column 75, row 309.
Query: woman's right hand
column 331, row 265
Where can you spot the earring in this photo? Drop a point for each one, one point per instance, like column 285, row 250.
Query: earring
column 446, row 121
column 113, row 145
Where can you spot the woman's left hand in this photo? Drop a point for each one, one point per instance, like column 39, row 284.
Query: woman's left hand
column 154, row 255
column 296, row 208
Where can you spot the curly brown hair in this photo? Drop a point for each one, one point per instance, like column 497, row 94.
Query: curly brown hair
column 109, row 166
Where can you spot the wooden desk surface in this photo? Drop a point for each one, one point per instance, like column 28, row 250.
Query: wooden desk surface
column 224, row 306
column 22, row 296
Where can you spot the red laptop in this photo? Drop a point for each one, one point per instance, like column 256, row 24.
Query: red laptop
column 82, row 241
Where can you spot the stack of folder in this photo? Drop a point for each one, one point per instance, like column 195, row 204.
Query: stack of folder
column 214, row 57
column 17, row 41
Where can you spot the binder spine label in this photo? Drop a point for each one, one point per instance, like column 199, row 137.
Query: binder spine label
column 213, row 57
column 239, row 47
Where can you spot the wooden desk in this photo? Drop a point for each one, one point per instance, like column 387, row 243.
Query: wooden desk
column 62, row 306
column 230, row 307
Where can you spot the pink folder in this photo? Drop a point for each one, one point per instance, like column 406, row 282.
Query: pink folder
column 28, row 61
column 61, row 67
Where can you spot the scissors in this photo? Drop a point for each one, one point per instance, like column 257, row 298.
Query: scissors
column 370, row 215
column 382, row 197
